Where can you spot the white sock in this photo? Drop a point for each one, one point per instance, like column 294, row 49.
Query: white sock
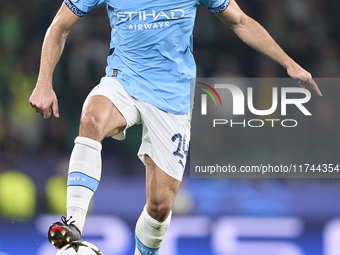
column 83, row 178
column 150, row 233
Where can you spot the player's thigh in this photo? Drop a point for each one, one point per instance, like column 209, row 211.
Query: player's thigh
column 161, row 190
column 100, row 118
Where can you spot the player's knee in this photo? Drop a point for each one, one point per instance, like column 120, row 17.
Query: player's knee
column 90, row 125
column 159, row 209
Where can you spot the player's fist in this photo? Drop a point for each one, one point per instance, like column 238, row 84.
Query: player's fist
column 42, row 99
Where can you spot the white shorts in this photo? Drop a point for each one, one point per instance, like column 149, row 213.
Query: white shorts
column 165, row 136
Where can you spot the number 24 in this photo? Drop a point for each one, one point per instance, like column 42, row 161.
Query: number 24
column 181, row 148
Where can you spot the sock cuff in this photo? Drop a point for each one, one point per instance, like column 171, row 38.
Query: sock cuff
column 89, row 142
column 155, row 223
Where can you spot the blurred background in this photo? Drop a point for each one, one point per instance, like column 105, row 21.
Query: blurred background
column 217, row 217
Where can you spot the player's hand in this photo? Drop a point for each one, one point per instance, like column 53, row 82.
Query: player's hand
column 305, row 78
column 42, row 99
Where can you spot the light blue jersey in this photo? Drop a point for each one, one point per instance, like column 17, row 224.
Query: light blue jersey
column 151, row 47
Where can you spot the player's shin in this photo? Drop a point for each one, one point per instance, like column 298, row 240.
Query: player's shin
column 150, row 233
column 83, row 178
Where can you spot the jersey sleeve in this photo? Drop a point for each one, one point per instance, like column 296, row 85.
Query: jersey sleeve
column 215, row 6
column 81, row 7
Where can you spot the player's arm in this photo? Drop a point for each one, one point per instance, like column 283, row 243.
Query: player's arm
column 43, row 96
column 254, row 35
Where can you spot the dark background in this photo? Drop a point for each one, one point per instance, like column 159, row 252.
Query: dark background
column 34, row 152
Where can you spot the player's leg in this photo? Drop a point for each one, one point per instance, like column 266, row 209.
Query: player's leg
column 153, row 223
column 99, row 119
column 163, row 150
column 102, row 116
column 161, row 191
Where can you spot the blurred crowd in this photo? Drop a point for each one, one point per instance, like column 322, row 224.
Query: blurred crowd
column 308, row 30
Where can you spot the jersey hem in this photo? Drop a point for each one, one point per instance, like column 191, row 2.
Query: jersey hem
column 74, row 8
column 220, row 8
column 122, row 82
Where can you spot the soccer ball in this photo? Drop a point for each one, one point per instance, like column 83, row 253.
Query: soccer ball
column 81, row 248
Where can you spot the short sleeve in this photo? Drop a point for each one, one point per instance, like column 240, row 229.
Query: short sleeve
column 215, row 6
column 81, row 7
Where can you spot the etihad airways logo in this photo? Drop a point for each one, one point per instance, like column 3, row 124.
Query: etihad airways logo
column 151, row 16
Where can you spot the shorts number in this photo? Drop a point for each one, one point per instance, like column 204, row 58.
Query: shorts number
column 181, row 145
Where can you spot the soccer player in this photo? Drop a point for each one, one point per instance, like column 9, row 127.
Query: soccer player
column 147, row 81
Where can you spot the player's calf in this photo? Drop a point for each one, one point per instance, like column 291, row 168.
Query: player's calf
column 83, row 178
column 149, row 233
